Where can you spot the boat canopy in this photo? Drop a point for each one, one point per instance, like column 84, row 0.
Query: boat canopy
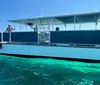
column 92, row 17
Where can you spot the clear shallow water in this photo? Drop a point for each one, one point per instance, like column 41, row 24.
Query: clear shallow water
column 20, row 71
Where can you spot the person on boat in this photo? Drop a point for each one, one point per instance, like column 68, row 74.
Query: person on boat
column 9, row 29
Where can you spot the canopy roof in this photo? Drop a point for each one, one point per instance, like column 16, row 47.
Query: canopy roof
column 62, row 19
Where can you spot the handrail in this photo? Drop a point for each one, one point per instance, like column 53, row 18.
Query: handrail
column 56, row 44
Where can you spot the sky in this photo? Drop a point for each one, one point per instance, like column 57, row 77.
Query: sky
column 17, row 9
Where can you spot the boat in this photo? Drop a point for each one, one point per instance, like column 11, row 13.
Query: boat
column 50, row 38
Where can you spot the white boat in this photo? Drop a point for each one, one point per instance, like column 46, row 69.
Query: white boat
column 48, row 40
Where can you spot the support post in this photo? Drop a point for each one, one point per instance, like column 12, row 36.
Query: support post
column 49, row 32
column 10, row 35
column 79, row 22
column 38, row 32
column 74, row 22
column 65, row 27
column 79, row 26
column 96, row 26
column 2, row 37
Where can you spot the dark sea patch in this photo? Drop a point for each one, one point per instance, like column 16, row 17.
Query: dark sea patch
column 21, row 71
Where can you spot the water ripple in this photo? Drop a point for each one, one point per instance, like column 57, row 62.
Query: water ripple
column 20, row 71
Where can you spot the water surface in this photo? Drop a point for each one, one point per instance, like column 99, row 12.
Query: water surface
column 37, row 71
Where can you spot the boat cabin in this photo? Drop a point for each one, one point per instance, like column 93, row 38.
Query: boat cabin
column 54, row 30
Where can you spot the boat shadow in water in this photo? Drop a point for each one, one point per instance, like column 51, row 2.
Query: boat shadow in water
column 48, row 57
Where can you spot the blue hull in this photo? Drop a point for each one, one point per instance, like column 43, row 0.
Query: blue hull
column 33, row 51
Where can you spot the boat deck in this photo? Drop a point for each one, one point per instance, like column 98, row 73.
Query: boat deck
column 74, row 45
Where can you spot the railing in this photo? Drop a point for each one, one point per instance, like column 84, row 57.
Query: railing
column 90, row 39
column 56, row 44
column 19, row 37
column 78, row 37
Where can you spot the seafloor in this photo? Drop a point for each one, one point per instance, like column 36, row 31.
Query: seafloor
column 21, row 71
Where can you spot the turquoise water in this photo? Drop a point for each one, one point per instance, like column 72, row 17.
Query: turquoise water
column 20, row 71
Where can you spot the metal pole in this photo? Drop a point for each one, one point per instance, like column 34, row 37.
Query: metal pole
column 38, row 32
column 96, row 26
column 2, row 36
column 49, row 32
column 10, row 35
column 74, row 22
column 79, row 26
column 79, row 22
column 26, row 27
column 65, row 27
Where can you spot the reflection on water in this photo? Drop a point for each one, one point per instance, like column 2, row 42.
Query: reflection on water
column 20, row 71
